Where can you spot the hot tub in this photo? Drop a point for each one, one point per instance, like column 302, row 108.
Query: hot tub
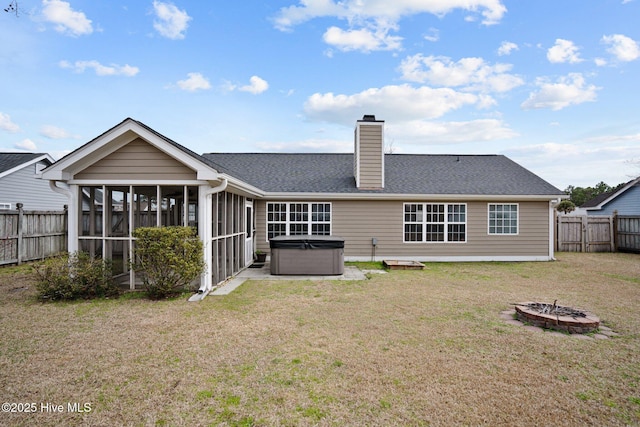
column 307, row 255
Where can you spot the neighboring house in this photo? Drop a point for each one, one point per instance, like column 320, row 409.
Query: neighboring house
column 19, row 183
column 387, row 206
column 624, row 201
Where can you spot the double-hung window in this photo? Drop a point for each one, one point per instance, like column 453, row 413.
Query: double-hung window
column 435, row 222
column 503, row 218
column 298, row 219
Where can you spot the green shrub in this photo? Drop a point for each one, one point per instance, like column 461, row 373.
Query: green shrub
column 169, row 258
column 74, row 276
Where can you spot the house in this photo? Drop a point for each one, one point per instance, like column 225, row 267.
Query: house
column 19, row 183
column 385, row 206
column 624, row 201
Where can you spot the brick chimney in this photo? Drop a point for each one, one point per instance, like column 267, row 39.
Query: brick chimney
column 368, row 159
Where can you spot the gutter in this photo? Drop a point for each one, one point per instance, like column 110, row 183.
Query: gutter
column 411, row 196
column 60, row 190
column 221, row 187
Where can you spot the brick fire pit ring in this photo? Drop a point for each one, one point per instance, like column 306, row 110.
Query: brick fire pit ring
column 557, row 317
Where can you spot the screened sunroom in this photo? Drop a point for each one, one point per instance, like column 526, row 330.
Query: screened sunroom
column 133, row 177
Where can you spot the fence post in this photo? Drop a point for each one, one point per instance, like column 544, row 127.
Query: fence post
column 20, row 242
column 584, row 244
column 614, row 231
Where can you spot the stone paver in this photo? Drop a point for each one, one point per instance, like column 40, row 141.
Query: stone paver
column 264, row 273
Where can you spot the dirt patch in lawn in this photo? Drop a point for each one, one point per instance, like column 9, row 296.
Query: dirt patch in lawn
column 406, row 348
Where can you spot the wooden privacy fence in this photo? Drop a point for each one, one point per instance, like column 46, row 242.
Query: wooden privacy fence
column 628, row 233
column 31, row 235
column 598, row 233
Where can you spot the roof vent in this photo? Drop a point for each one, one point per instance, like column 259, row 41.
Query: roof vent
column 368, row 118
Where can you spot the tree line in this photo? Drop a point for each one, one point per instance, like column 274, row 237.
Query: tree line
column 581, row 195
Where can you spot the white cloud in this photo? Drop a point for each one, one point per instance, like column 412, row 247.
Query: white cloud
column 170, row 22
column 7, row 124
column 563, row 51
column 492, row 11
column 433, row 35
column 506, row 48
column 622, row 47
column 54, row 132
column 101, row 70
column 364, row 40
column 370, row 21
column 394, row 103
column 308, row 146
column 194, row 82
column 469, row 73
column 256, row 86
column 591, row 160
column 600, row 62
column 66, row 20
column 26, row 144
column 568, row 90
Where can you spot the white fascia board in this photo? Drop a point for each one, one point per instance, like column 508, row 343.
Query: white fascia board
column 113, row 140
column 25, row 164
column 203, row 170
column 405, row 197
column 141, row 182
column 89, row 153
column 240, row 186
column 233, row 184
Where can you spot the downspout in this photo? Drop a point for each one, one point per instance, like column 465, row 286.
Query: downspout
column 552, row 228
column 60, row 190
column 206, row 284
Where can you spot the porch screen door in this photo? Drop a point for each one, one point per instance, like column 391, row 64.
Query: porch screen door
column 248, row 243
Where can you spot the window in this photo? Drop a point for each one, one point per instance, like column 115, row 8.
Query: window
column 435, row 222
column 503, row 218
column 5, row 206
column 298, row 219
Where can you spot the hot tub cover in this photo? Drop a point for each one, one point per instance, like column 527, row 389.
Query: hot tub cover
column 306, row 242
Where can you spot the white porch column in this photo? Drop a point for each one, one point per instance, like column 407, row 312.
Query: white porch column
column 74, row 213
column 205, row 233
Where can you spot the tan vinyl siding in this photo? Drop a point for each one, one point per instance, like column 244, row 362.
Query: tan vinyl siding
column 137, row 160
column 370, row 155
column 359, row 221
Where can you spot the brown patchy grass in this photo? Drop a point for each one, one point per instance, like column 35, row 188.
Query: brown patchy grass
column 407, row 348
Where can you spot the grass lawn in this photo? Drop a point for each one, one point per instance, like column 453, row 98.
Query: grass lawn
column 405, row 348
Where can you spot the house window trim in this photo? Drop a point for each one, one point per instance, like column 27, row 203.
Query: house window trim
column 309, row 222
column 4, row 206
column 517, row 205
column 446, row 223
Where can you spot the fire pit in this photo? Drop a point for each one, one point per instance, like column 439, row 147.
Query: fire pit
column 557, row 317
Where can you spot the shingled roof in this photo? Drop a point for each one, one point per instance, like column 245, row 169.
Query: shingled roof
column 404, row 174
column 9, row 161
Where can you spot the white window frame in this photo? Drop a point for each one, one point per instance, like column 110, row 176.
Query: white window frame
column 502, row 227
column 5, row 206
column 423, row 222
column 305, row 218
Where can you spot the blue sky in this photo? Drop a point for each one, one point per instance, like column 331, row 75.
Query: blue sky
column 551, row 84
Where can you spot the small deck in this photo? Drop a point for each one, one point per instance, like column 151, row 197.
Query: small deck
column 402, row 265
